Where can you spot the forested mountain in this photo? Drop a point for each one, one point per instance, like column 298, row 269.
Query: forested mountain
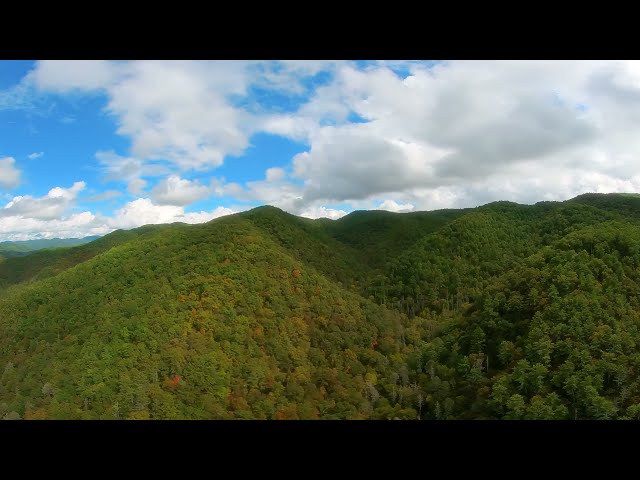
column 49, row 262
column 380, row 235
column 501, row 311
column 11, row 249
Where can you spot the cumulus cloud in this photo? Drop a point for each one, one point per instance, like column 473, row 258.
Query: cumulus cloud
column 323, row 212
column 48, row 207
column 278, row 190
column 275, row 189
column 69, row 75
column 188, row 118
column 25, row 218
column 464, row 132
column 393, row 206
column 177, row 191
column 143, row 211
column 77, row 225
column 356, row 161
column 9, row 174
column 34, row 155
column 185, row 118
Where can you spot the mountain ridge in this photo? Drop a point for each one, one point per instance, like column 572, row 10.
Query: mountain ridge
column 25, row 247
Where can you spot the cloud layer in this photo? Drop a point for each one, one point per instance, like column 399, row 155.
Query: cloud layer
column 53, row 216
column 400, row 136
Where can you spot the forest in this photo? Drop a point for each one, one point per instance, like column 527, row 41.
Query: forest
column 503, row 311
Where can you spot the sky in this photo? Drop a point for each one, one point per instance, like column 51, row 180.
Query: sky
column 87, row 147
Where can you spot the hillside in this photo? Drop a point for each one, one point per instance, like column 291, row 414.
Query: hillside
column 380, row 235
column 501, row 311
column 309, row 242
column 49, row 262
column 211, row 321
column 18, row 248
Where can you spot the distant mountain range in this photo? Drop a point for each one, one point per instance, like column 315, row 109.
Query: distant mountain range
column 12, row 249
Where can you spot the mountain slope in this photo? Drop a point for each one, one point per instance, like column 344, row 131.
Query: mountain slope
column 380, row 236
column 25, row 247
column 446, row 269
column 554, row 337
column 309, row 242
column 622, row 204
column 49, row 262
column 213, row 321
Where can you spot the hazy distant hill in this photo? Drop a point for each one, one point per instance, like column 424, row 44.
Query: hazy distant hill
column 17, row 248
column 502, row 311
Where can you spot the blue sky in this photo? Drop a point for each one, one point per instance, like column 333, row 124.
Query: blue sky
column 90, row 146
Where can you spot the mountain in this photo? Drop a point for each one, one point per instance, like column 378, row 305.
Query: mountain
column 501, row 311
column 49, row 262
column 207, row 321
column 381, row 235
column 18, row 248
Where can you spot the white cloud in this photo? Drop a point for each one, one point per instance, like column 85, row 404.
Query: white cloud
column 78, row 225
column 48, row 207
column 189, row 118
column 357, row 161
column 34, row 155
column 143, row 212
column 177, row 191
column 25, row 218
column 274, row 190
column 68, row 75
column 67, row 193
column 119, row 168
column 186, row 118
column 323, row 212
column 9, row 174
column 393, row 206
column 202, row 216
column 457, row 134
